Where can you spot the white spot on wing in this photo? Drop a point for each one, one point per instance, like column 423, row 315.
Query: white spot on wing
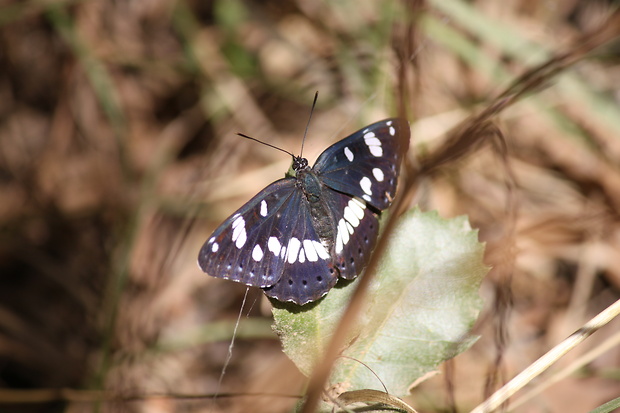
column 367, row 198
column 374, row 144
column 238, row 221
column 293, row 249
column 302, row 256
column 311, row 253
column 365, row 184
column 389, row 123
column 350, row 216
column 215, row 246
column 339, row 244
column 375, row 150
column 348, row 154
column 349, row 228
column 357, row 207
column 263, row 208
column 342, row 237
column 392, row 131
column 241, row 240
column 274, row 245
column 257, row 253
column 321, row 250
column 342, row 228
column 378, row 174
column 239, row 235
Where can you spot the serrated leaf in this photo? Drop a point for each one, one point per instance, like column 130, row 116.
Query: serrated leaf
column 421, row 305
column 305, row 331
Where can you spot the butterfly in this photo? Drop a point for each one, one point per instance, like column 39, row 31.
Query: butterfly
column 297, row 236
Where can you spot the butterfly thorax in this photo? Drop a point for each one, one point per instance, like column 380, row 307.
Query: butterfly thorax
column 311, row 186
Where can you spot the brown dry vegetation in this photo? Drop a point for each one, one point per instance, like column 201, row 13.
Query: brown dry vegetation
column 118, row 157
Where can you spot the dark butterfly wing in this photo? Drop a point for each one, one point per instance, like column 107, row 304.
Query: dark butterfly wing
column 366, row 164
column 270, row 243
column 308, row 272
column 306, row 278
column 357, row 229
column 247, row 247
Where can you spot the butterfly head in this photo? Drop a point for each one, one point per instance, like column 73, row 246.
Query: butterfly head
column 298, row 164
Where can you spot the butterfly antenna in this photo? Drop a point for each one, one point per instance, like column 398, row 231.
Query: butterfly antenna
column 316, row 95
column 265, row 143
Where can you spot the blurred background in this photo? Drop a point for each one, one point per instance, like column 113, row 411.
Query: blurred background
column 118, row 157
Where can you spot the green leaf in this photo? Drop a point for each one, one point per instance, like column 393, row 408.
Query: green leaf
column 306, row 331
column 420, row 307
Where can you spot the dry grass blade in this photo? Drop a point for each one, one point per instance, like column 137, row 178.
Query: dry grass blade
column 582, row 361
column 466, row 137
column 526, row 376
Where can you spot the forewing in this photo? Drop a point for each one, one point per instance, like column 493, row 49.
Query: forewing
column 247, row 246
column 270, row 243
column 366, row 164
